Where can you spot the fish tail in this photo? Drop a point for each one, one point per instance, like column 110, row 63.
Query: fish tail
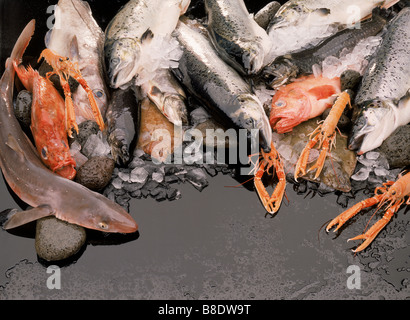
column 22, row 43
column 17, row 55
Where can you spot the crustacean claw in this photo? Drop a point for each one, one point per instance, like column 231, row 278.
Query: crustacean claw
column 325, row 134
column 64, row 68
column 392, row 192
column 267, row 162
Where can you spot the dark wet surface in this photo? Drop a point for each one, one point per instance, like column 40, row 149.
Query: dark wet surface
column 215, row 244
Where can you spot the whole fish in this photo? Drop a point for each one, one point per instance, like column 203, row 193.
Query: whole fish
column 48, row 122
column 227, row 97
column 48, row 193
column 240, row 41
column 305, row 98
column 290, row 65
column 123, row 123
column 129, row 33
column 167, row 94
column 383, row 98
column 77, row 35
column 302, row 24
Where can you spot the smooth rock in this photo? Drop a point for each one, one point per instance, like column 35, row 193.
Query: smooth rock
column 96, row 173
column 58, row 240
column 397, row 147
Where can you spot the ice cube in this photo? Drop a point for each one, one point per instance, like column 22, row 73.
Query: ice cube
column 199, row 115
column 96, row 145
column 362, row 174
column 380, row 171
column 117, row 183
column 124, row 176
column 139, row 175
column 158, row 177
column 372, row 155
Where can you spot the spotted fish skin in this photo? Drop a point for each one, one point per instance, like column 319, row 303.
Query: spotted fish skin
column 221, row 89
column 240, row 41
column 383, row 98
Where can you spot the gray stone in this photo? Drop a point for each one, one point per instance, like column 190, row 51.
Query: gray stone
column 396, row 148
column 58, row 240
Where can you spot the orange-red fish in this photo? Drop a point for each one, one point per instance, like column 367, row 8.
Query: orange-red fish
column 48, row 122
column 305, row 98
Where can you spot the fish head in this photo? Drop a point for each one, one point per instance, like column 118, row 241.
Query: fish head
column 175, row 109
column 107, row 216
column 55, row 154
column 122, row 60
column 92, row 210
column 253, row 57
column 279, row 72
column 252, row 116
column 374, row 122
column 289, row 108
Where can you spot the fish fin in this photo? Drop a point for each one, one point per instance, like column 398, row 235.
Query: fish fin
column 323, row 92
column 74, row 51
column 14, row 218
column 147, row 36
column 14, row 145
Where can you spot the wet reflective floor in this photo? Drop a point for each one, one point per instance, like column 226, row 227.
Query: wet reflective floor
column 218, row 244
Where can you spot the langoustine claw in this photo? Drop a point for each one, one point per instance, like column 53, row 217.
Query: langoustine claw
column 392, row 192
column 64, row 68
column 267, row 162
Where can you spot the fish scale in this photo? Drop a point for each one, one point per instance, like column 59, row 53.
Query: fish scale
column 388, row 73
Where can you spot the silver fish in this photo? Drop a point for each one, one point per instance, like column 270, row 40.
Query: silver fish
column 266, row 14
column 48, row 193
column 240, row 41
column 302, row 24
column 165, row 91
column 134, row 26
column 383, row 98
column 77, row 35
column 227, row 97
column 283, row 68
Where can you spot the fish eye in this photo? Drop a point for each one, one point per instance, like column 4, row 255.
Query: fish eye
column 44, row 153
column 280, row 103
column 99, row 93
column 103, row 225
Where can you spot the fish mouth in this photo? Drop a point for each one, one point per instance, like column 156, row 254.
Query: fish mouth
column 122, row 74
column 374, row 123
column 174, row 108
column 253, row 60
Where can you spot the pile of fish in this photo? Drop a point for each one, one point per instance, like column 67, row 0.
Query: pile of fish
column 160, row 74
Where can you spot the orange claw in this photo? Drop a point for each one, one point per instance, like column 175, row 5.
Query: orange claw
column 392, row 193
column 269, row 161
column 325, row 134
column 64, row 68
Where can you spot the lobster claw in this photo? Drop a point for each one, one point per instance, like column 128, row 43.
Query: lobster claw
column 267, row 162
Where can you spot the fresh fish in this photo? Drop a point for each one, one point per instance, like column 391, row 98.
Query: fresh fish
column 305, row 98
column 48, row 122
column 129, row 32
column 383, row 98
column 283, row 68
column 302, row 24
column 48, row 193
column 123, row 122
column 77, row 35
column 167, row 94
column 227, row 97
column 237, row 37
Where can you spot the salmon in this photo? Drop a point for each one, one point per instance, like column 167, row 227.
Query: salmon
column 48, row 122
column 305, row 98
column 46, row 192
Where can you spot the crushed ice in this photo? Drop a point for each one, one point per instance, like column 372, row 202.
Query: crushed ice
column 356, row 59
